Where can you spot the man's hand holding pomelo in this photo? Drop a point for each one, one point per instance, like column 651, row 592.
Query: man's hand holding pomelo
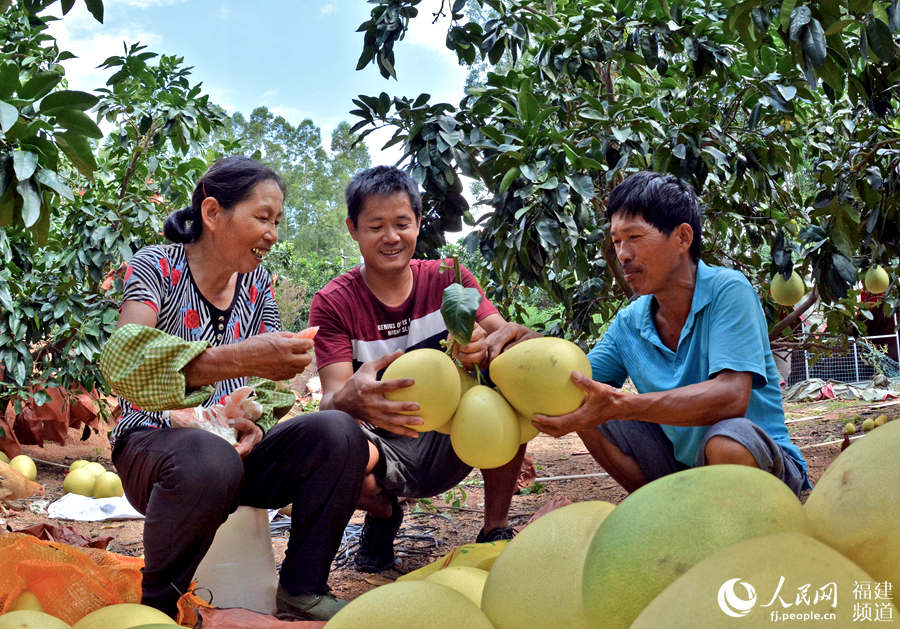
column 363, row 396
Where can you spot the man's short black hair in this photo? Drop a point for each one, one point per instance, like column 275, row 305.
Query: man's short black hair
column 663, row 200
column 380, row 181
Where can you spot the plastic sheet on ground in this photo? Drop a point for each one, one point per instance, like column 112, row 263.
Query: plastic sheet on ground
column 818, row 389
column 84, row 509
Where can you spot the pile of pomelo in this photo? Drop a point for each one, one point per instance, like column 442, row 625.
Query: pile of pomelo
column 487, row 425
column 716, row 546
column 89, row 478
column 28, row 614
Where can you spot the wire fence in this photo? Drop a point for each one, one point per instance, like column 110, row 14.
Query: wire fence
column 864, row 359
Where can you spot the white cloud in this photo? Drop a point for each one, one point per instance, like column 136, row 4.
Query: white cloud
column 327, row 9
column 92, row 42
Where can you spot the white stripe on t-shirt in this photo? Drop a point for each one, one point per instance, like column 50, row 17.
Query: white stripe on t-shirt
column 419, row 330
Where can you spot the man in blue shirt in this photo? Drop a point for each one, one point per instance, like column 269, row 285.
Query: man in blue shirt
column 694, row 343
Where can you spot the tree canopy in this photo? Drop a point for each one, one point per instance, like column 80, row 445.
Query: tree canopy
column 782, row 115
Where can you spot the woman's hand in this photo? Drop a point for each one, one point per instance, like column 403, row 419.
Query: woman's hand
column 249, row 434
column 362, row 396
column 274, row 355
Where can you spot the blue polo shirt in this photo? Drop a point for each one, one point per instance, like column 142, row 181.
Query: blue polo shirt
column 726, row 329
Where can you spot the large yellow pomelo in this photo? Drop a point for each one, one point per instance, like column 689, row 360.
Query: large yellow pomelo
column 107, row 485
column 485, row 429
column 24, row 466
column 410, row 605
column 466, row 382
column 80, row 481
column 466, row 580
column 26, row 600
column 855, row 506
column 535, row 581
column 739, row 586
column 787, row 292
column 3, row 457
column 535, row 376
column 436, row 387
column 31, row 619
column 123, row 616
column 527, row 431
column 877, row 280
column 669, row 525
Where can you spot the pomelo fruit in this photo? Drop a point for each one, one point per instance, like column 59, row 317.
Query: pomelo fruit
column 669, row 525
column 410, row 604
column 25, row 600
column 3, row 457
column 485, row 430
column 535, row 376
column 855, row 506
column 787, row 292
column 78, row 463
column 123, row 616
column 466, row 382
column 31, row 619
column 466, row 580
column 876, row 280
column 24, row 466
column 534, row 582
column 481, row 555
column 739, row 585
column 436, row 387
column 527, row 431
column 94, row 468
column 80, row 481
column 107, row 485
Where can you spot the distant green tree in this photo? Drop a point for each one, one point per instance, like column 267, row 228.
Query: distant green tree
column 315, row 177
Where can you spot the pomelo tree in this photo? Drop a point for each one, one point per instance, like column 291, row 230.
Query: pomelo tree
column 782, row 114
column 75, row 204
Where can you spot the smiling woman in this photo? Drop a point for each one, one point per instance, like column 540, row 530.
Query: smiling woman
column 199, row 322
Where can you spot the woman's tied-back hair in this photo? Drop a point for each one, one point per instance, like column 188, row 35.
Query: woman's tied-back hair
column 380, row 181
column 661, row 199
column 230, row 180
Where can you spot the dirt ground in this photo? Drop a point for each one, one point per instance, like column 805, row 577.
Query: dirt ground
column 432, row 528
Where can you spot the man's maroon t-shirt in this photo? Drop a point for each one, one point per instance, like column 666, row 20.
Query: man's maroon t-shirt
column 355, row 326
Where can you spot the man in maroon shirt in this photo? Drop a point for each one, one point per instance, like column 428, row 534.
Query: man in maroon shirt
column 368, row 317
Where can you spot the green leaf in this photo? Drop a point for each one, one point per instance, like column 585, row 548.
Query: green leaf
column 508, row 178
column 879, row 13
column 527, row 105
column 79, row 152
column 51, row 180
column 41, row 229
column 24, row 164
column 582, row 184
column 9, row 79
column 67, row 99
column 814, row 42
column 38, row 85
column 96, row 9
column 880, row 40
column 67, row 5
column 31, row 202
column 800, row 17
column 845, row 267
column 459, row 307
column 8, row 116
column 79, row 122
column 785, row 17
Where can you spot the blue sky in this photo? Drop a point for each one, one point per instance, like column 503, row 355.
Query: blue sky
column 297, row 57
